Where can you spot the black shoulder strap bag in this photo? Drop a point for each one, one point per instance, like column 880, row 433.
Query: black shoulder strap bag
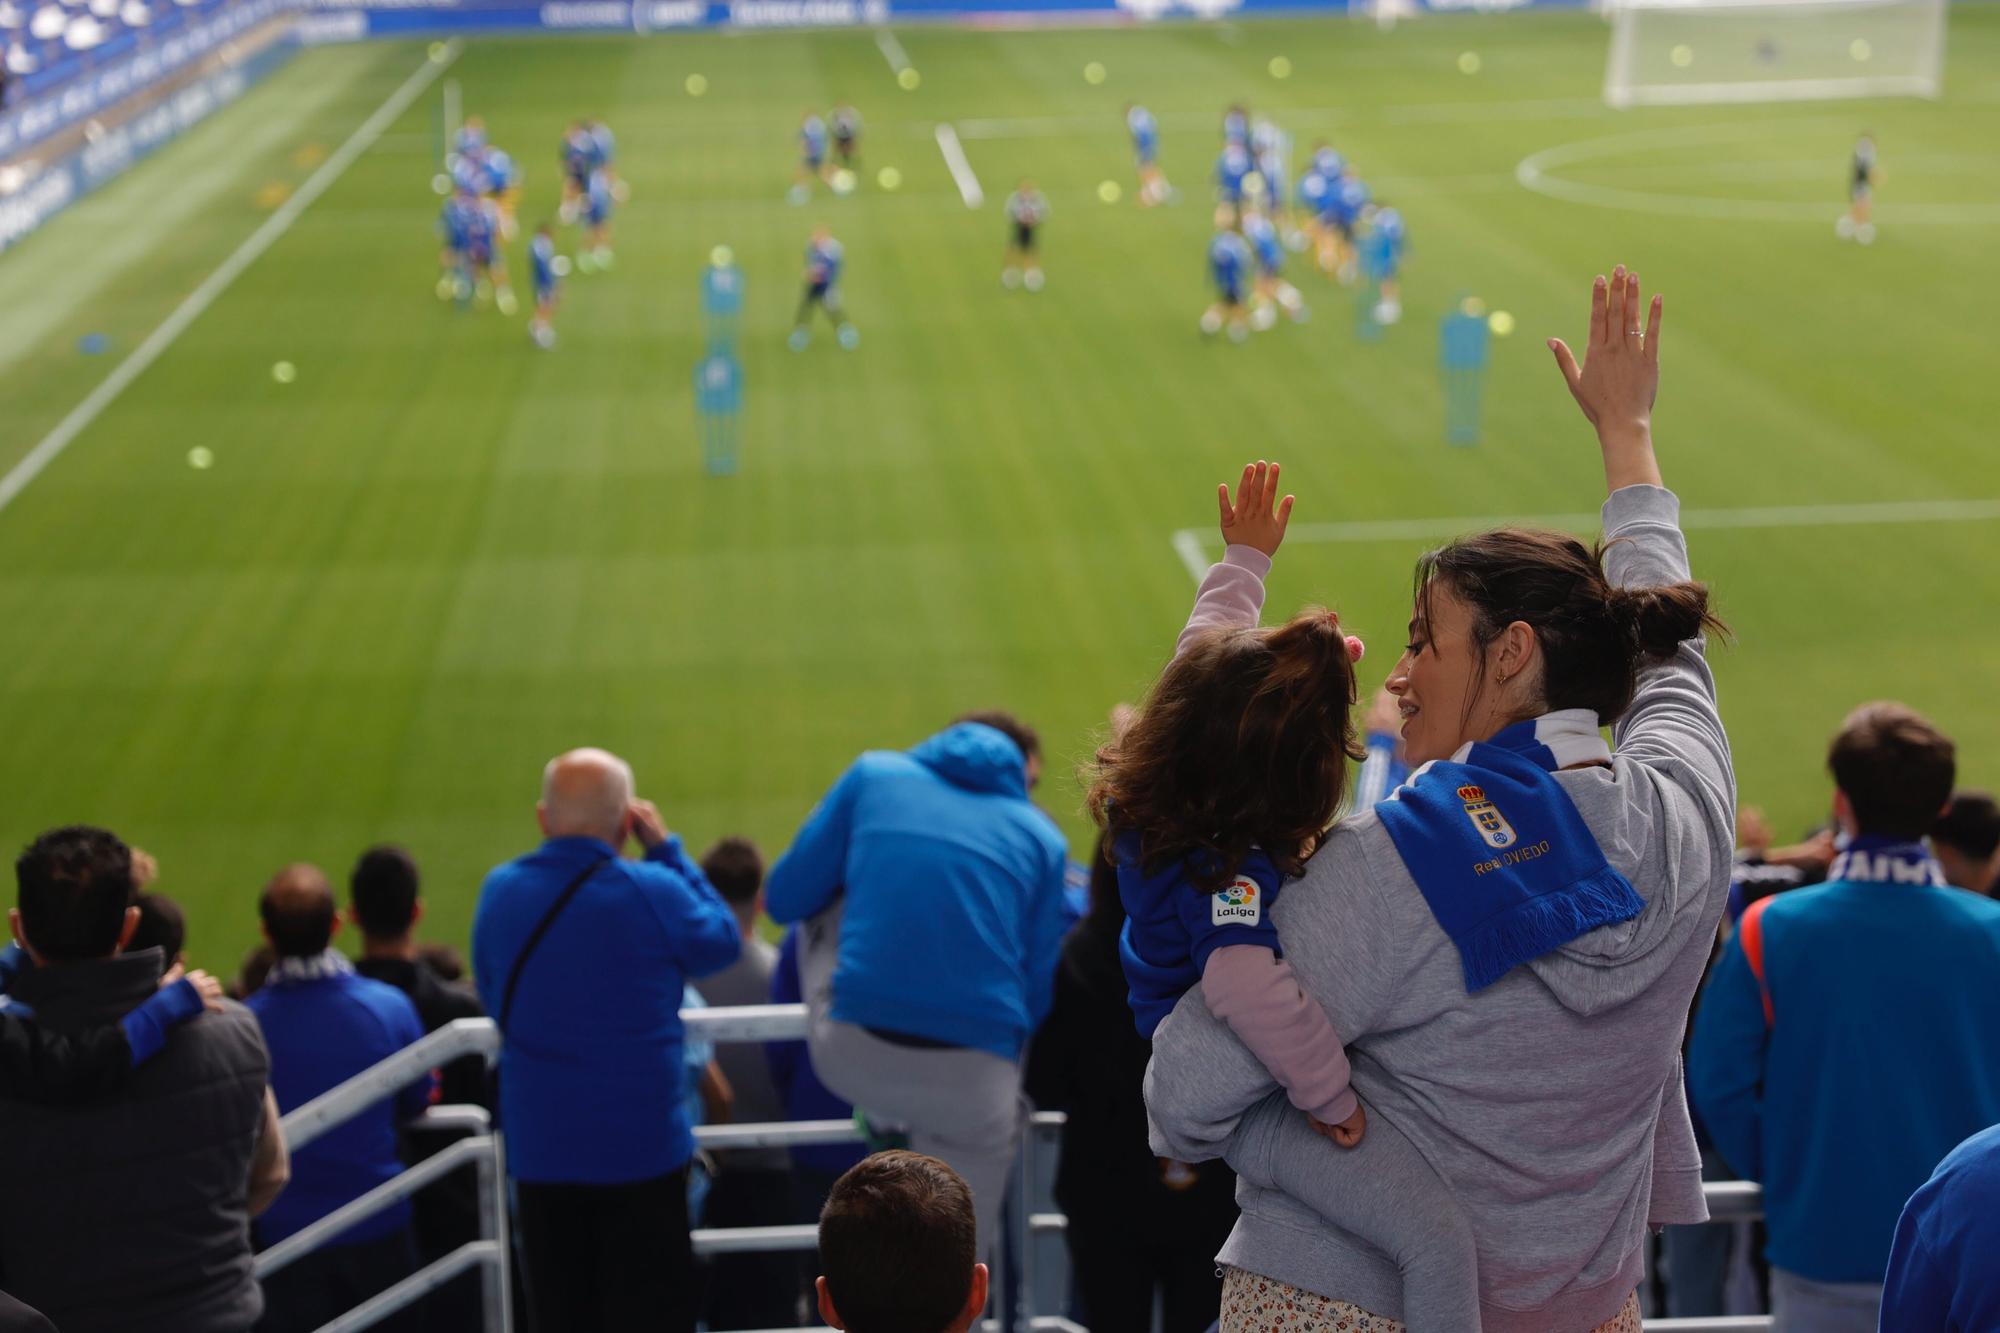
column 535, row 937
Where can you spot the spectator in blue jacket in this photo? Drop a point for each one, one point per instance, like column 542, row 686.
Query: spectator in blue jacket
column 1942, row 1277
column 1850, row 1035
column 931, row 890
column 325, row 1023
column 582, row 956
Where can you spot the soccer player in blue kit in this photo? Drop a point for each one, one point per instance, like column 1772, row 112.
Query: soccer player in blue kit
column 1228, row 266
column 605, row 157
column 548, row 286
column 1232, row 168
column 578, row 155
column 502, row 185
column 1145, row 132
column 822, row 291
column 812, row 157
column 1273, row 292
column 597, row 205
column 1382, row 255
column 454, row 279
column 1236, row 126
column 482, row 253
column 1348, row 197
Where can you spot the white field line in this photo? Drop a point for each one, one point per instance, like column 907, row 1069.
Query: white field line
column 1190, row 544
column 218, row 282
column 1537, row 172
column 960, row 168
column 892, row 50
column 1187, row 545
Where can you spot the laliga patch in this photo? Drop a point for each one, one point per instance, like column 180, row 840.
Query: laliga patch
column 1237, row 905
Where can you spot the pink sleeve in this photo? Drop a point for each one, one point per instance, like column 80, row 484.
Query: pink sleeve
column 1231, row 597
column 1254, row 992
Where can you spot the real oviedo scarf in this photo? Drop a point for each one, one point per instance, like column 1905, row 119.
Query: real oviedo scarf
column 1497, row 848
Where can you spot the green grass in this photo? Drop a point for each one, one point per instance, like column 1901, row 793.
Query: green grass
column 441, row 556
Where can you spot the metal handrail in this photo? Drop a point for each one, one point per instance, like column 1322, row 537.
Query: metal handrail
column 481, row 1036
column 1727, row 1200
column 344, row 1101
column 393, row 1190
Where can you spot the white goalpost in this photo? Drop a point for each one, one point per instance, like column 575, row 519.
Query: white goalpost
column 1678, row 52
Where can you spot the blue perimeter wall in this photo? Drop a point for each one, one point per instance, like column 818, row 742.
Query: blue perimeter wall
column 349, row 20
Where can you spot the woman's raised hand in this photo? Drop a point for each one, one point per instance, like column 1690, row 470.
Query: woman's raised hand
column 1619, row 378
column 1257, row 519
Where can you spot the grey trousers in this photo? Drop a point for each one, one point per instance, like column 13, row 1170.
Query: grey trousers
column 961, row 1106
column 1382, row 1191
column 1801, row 1305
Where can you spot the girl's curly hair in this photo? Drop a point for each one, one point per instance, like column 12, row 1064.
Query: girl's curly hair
column 1242, row 744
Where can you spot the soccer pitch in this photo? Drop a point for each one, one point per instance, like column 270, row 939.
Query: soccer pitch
column 440, row 555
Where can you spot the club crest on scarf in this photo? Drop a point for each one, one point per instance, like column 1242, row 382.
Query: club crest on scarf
column 1486, row 817
column 1513, row 886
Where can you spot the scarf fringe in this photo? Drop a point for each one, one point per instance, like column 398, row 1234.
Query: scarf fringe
column 1544, row 923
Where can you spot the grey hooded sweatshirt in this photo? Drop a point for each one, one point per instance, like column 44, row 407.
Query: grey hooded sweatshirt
column 1550, row 1103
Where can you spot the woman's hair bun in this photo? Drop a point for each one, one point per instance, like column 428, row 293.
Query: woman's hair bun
column 1663, row 618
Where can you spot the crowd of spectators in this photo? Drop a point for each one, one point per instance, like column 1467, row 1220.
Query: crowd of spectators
column 1870, row 945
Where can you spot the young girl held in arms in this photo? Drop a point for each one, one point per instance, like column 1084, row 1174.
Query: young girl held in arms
column 1218, row 791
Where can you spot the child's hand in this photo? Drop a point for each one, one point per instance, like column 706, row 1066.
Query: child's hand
column 1258, row 517
column 1348, row 1132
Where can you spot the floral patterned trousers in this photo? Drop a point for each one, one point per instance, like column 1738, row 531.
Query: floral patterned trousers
column 1252, row 1304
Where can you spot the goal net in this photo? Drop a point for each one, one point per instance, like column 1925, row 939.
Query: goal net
column 1666, row 52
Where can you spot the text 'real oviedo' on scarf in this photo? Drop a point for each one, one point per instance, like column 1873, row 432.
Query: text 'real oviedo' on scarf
column 1496, row 846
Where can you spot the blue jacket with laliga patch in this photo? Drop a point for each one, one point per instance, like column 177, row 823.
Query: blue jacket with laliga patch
column 954, row 911
column 1171, row 926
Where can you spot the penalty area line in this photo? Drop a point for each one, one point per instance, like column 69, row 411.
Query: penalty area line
column 1189, row 543
column 961, row 169
column 215, row 284
column 892, row 50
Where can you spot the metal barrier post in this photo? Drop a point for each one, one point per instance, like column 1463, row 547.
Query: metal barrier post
column 1024, row 1208
column 496, row 1283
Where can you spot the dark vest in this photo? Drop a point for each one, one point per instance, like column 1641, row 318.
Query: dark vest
column 129, row 1212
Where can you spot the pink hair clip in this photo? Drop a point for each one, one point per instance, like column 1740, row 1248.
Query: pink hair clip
column 1355, row 648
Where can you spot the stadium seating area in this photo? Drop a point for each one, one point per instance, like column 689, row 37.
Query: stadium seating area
column 45, row 46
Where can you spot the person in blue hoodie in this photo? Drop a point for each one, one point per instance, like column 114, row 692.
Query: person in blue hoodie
column 931, row 890
column 583, row 957
column 1874, row 995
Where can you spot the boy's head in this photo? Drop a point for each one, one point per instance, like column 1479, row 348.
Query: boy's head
column 1966, row 839
column 76, row 894
column 736, row 868
column 1893, row 771
column 162, row 926
column 897, row 1246
column 1025, row 737
column 383, row 889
